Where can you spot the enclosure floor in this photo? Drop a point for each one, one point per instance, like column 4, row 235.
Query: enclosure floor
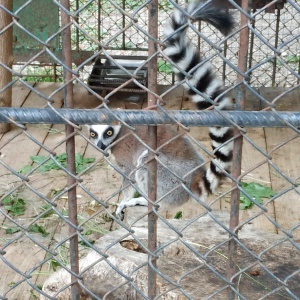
column 16, row 153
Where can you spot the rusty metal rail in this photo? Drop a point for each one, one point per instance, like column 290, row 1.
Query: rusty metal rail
column 273, row 118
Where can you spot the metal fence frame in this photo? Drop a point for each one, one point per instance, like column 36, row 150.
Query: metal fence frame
column 47, row 70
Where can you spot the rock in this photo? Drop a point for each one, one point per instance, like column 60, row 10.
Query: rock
column 97, row 272
column 181, row 269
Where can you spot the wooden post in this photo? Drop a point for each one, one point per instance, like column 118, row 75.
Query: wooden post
column 6, row 58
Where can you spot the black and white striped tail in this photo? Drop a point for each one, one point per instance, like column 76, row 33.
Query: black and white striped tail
column 201, row 83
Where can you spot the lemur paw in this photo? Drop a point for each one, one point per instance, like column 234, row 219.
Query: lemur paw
column 120, row 212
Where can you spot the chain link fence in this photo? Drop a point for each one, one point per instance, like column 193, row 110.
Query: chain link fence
column 60, row 235
column 272, row 24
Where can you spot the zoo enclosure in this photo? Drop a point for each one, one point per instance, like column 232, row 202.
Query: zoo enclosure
column 274, row 25
column 281, row 65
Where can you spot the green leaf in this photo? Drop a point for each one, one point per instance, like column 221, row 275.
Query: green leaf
column 46, row 207
column 7, row 200
column 178, row 215
column 49, row 164
column 81, row 162
column 245, row 203
column 136, row 194
column 38, row 229
column 293, row 59
column 11, row 284
column 256, row 191
column 62, row 157
column 38, row 159
column 164, row 67
column 26, row 169
column 83, row 243
column 52, row 164
column 12, row 230
column 80, row 168
column 88, row 232
column 53, row 264
column 15, row 207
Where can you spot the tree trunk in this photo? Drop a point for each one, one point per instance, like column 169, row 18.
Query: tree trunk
column 6, row 58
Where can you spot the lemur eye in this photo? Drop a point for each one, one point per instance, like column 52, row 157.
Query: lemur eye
column 109, row 132
column 92, row 134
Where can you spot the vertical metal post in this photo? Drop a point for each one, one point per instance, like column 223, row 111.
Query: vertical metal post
column 251, row 48
column 70, row 149
column 6, row 57
column 77, row 30
column 123, row 26
column 152, row 132
column 237, row 152
column 276, row 45
column 99, row 24
column 224, row 64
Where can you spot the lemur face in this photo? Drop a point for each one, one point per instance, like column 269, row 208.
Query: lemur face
column 103, row 135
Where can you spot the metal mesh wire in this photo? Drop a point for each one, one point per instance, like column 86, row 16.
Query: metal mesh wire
column 273, row 27
column 60, row 236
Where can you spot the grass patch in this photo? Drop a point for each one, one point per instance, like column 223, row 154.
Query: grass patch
column 33, row 228
column 12, row 230
column 47, row 164
column 38, row 229
column 14, row 205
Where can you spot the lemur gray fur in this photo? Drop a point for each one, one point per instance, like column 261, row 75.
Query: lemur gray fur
column 179, row 156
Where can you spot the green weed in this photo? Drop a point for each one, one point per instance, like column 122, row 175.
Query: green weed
column 164, row 67
column 33, row 228
column 49, row 212
column 178, row 215
column 38, row 229
column 292, row 59
column 14, row 205
column 48, row 164
column 53, row 264
column 256, row 191
column 84, row 244
column 12, row 230
column 136, row 194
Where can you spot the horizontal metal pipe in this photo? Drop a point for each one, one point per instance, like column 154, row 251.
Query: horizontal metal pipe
column 148, row 117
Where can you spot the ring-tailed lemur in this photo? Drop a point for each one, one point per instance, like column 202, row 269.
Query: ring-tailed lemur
column 178, row 162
